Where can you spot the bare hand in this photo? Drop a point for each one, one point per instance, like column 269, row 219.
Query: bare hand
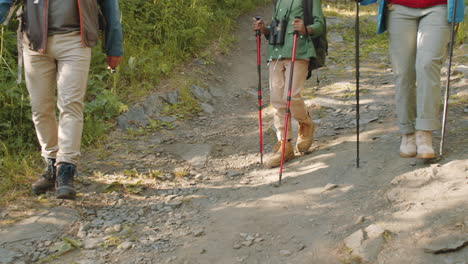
column 259, row 25
column 113, row 61
column 298, row 26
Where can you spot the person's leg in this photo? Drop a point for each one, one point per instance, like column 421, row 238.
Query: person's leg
column 402, row 30
column 72, row 66
column 278, row 102
column 278, row 88
column 40, row 75
column 433, row 38
column 298, row 108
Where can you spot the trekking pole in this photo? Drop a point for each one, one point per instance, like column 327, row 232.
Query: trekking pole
column 447, row 89
column 258, row 34
column 357, row 82
column 288, row 106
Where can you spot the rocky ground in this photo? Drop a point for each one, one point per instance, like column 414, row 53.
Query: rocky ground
column 196, row 193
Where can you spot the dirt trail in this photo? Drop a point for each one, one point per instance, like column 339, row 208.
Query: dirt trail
column 224, row 209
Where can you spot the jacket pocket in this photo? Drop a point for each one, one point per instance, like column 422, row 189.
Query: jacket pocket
column 89, row 15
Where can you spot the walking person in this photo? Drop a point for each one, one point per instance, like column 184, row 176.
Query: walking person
column 288, row 17
column 57, row 40
column 419, row 34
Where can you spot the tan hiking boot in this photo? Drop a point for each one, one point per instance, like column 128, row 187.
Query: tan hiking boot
column 305, row 137
column 408, row 146
column 274, row 159
column 424, row 145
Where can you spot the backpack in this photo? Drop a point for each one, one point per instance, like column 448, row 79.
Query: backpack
column 320, row 43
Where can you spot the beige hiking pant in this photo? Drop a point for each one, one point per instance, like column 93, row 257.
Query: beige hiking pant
column 62, row 70
column 418, row 47
column 279, row 83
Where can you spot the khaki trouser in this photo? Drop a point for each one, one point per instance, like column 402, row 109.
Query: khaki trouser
column 63, row 69
column 418, row 47
column 279, row 83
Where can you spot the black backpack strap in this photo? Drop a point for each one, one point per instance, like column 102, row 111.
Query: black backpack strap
column 308, row 16
column 308, row 20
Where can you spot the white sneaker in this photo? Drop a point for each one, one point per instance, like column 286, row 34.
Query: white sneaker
column 424, row 145
column 408, row 146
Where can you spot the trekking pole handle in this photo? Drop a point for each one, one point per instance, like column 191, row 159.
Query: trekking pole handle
column 257, row 32
column 297, row 17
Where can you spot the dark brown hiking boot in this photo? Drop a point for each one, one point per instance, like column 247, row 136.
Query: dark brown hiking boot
column 47, row 180
column 64, row 183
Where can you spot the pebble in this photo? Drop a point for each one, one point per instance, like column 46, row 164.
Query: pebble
column 360, row 219
column 91, row 243
column 249, row 238
column 247, row 243
column 330, row 187
column 285, row 253
column 199, row 232
column 174, row 203
column 236, row 246
column 126, row 245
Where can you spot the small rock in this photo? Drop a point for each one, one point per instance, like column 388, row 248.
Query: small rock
column 237, row 246
column 174, row 203
column 355, row 240
column 172, row 97
column 117, row 228
column 259, row 239
column 126, row 245
column 249, row 238
column 446, row 243
column 463, row 69
column 360, row 220
column 202, row 251
column 167, row 119
column 7, row 256
column 91, row 243
column 247, row 243
column 199, row 232
column 200, row 93
column 330, row 186
column 285, row 253
column 232, row 173
column 207, row 108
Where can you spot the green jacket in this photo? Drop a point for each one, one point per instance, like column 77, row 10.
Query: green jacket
column 305, row 48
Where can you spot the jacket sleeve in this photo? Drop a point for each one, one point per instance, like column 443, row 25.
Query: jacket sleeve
column 318, row 26
column 4, row 7
column 460, row 11
column 368, row 2
column 113, row 27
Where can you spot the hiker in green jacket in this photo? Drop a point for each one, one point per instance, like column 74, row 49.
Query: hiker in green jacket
column 289, row 15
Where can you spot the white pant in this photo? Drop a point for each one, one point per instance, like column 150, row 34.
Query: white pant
column 418, row 47
column 63, row 69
